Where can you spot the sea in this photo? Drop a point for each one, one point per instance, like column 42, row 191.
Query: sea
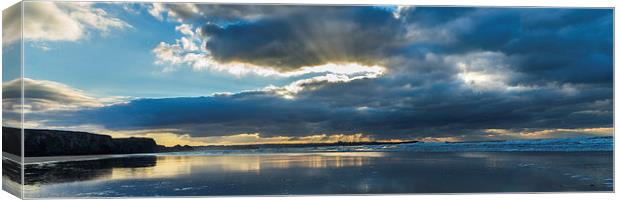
column 527, row 166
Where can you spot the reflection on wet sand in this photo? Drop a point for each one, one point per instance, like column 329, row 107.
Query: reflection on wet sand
column 167, row 166
column 83, row 170
column 171, row 166
column 163, row 166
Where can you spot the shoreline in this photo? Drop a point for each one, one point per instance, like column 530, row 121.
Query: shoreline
column 54, row 159
column 74, row 158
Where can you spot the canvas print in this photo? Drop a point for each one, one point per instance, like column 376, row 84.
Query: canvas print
column 141, row 99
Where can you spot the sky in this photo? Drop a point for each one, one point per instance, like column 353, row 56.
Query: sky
column 202, row 74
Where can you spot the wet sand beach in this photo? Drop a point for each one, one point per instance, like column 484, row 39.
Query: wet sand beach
column 322, row 173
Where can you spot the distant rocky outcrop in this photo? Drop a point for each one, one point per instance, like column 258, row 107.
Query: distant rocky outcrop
column 60, row 143
column 176, row 148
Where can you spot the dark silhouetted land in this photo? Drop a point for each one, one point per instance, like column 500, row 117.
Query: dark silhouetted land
column 38, row 142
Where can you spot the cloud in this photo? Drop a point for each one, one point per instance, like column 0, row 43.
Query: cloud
column 312, row 36
column 11, row 24
column 41, row 95
column 314, row 83
column 216, row 13
column 422, row 73
column 62, row 21
column 485, row 71
column 92, row 17
column 545, row 45
column 185, row 50
column 548, row 133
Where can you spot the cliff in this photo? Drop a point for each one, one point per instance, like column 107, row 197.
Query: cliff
column 11, row 140
column 60, row 143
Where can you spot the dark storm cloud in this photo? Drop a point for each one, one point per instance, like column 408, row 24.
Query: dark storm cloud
column 217, row 115
column 564, row 45
column 378, row 107
column 312, row 36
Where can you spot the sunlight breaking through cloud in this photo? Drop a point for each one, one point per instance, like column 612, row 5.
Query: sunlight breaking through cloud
column 190, row 50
